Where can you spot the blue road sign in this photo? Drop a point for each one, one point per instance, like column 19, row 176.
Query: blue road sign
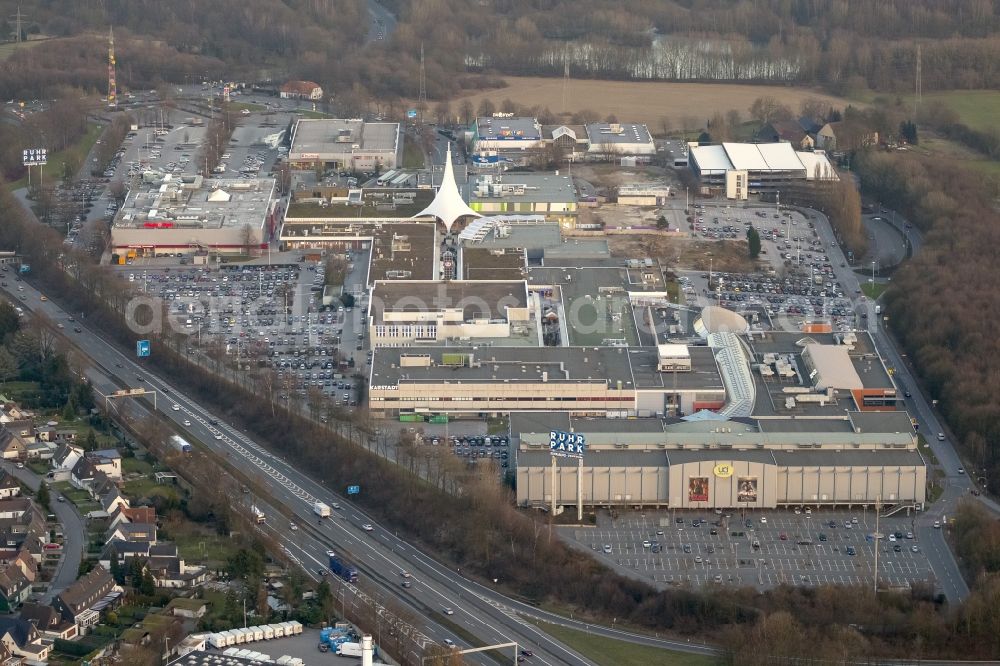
column 412, row 113
column 566, row 444
column 142, row 348
column 353, row 490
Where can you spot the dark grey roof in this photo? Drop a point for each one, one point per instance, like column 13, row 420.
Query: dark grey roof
column 850, row 458
column 20, row 630
column 680, row 457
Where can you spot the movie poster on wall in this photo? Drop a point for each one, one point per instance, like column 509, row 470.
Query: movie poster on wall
column 746, row 489
column 698, row 489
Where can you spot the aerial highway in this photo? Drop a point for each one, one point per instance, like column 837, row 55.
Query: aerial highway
column 379, row 553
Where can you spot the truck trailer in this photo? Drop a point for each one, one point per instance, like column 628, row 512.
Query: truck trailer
column 257, row 515
column 320, row 509
column 342, row 569
column 178, row 443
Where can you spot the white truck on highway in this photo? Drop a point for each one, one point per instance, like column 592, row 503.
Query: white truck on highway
column 320, row 509
column 258, row 515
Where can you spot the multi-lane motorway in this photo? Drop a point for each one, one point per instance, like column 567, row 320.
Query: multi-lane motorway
column 379, row 554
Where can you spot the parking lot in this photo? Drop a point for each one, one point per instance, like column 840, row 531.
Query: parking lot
column 697, row 548
column 799, row 283
column 475, row 448
column 265, row 315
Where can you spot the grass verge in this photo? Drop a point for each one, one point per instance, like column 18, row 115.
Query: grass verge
column 75, row 154
column 874, row 290
column 620, row 653
column 413, row 157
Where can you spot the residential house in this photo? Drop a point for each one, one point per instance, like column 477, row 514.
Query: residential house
column 66, row 457
column 123, row 551
column 843, row 136
column 85, row 475
column 14, row 588
column 21, row 638
column 9, row 486
column 301, row 90
column 189, row 608
column 12, row 412
column 83, row 601
column 810, row 125
column 12, row 445
column 169, row 569
column 134, row 532
column 46, row 433
column 784, row 131
column 127, row 514
column 48, row 621
column 40, row 450
column 113, row 500
column 108, row 461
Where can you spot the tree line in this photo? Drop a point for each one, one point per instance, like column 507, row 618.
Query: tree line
column 944, row 304
column 842, row 45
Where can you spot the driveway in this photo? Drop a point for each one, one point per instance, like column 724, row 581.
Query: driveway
column 74, row 532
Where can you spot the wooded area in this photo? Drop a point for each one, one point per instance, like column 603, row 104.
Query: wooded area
column 842, row 45
column 944, row 304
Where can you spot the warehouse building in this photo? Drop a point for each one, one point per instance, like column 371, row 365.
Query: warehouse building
column 853, row 459
column 193, row 214
column 353, row 145
column 742, row 169
column 549, row 194
column 493, row 380
column 435, row 311
column 611, row 140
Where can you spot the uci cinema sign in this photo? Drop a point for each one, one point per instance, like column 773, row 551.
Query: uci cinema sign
column 723, row 470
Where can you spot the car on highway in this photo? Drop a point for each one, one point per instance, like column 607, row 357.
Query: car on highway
column 450, row 643
column 77, row 329
column 405, row 574
column 293, row 526
column 367, row 527
column 940, row 436
column 937, row 524
column 406, row 584
column 187, row 422
column 44, row 298
column 175, row 407
column 218, row 435
column 447, row 610
column 961, row 470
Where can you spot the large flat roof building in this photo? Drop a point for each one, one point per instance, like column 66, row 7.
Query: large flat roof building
column 853, row 459
column 549, row 194
column 434, row 311
column 190, row 214
column 741, row 169
column 345, row 144
column 485, row 379
column 620, row 139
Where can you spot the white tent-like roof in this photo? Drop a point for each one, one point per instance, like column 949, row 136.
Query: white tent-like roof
column 448, row 204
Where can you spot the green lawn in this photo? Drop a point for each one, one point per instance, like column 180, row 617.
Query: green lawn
column 149, row 488
column 873, row 291
column 413, row 157
column 204, row 546
column 136, row 466
column 620, row 653
column 979, row 109
column 312, row 115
